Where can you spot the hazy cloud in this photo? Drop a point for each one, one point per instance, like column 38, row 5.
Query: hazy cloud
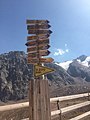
column 65, row 45
column 67, row 50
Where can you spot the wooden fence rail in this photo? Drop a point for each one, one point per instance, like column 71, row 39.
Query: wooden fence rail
column 69, row 108
column 70, row 97
column 81, row 116
column 14, row 106
column 60, row 111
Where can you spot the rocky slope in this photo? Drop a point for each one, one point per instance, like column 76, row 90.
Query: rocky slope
column 15, row 74
column 78, row 70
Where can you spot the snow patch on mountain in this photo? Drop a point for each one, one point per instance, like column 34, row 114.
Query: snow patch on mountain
column 64, row 65
column 85, row 62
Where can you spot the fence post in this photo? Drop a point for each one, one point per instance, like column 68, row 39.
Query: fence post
column 58, row 106
column 88, row 97
column 39, row 100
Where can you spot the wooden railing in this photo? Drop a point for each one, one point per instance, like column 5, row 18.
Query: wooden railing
column 60, row 110
column 14, row 106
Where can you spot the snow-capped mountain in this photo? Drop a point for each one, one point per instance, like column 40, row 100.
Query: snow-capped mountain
column 86, row 62
column 83, row 60
column 15, row 74
column 64, row 65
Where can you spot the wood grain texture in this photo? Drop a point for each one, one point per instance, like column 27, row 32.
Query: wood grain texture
column 39, row 107
column 70, row 97
column 81, row 116
column 69, row 108
column 13, row 106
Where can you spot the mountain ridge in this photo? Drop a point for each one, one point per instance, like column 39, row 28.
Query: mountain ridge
column 83, row 60
column 15, row 74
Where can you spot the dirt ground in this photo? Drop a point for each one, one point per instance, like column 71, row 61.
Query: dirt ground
column 23, row 113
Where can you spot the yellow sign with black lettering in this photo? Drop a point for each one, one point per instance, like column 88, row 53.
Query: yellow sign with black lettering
column 41, row 70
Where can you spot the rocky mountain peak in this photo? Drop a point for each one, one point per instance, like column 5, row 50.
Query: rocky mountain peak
column 82, row 58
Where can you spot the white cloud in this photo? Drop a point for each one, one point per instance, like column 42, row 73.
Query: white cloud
column 61, row 52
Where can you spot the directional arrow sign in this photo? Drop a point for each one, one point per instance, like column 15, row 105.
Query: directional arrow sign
column 41, row 60
column 41, row 70
column 46, row 60
column 32, row 55
column 40, row 47
column 39, row 31
column 33, row 48
column 37, row 42
column 43, row 41
column 42, row 26
column 44, row 46
column 37, row 21
column 41, row 36
column 31, row 43
column 39, row 53
column 44, row 52
column 32, row 37
column 32, row 61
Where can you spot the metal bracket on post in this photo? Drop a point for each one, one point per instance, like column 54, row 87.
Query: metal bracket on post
column 58, row 106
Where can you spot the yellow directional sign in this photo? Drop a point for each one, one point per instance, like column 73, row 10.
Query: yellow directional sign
column 41, row 70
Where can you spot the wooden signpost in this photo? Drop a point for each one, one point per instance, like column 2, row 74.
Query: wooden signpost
column 46, row 60
column 40, row 47
column 37, row 21
column 34, row 31
column 41, row 36
column 44, row 46
column 32, row 55
column 37, row 47
column 42, row 26
column 33, row 48
column 33, row 60
column 42, row 60
column 35, row 42
column 44, row 52
column 40, row 53
column 31, row 43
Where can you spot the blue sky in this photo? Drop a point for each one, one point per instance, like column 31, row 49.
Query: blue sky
column 69, row 20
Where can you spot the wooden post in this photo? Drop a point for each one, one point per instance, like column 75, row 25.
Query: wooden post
column 39, row 100
column 88, row 97
column 58, row 106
